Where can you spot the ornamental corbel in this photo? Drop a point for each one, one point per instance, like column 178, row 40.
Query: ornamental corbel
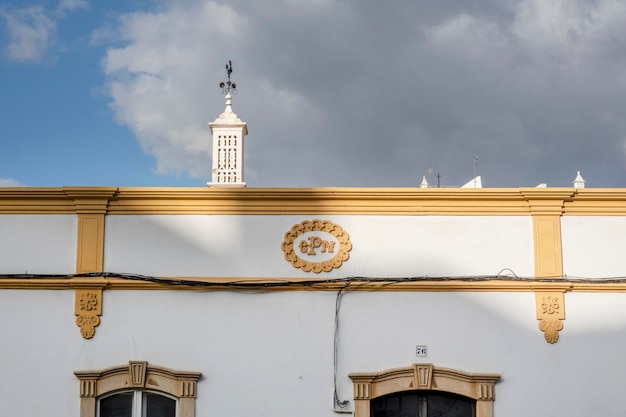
column 550, row 313
column 88, row 309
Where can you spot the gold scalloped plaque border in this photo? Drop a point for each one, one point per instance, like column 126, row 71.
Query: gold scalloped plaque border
column 324, row 226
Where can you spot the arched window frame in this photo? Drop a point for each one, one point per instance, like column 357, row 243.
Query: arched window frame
column 426, row 377
column 138, row 376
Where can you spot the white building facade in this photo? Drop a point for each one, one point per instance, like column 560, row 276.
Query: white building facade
column 312, row 302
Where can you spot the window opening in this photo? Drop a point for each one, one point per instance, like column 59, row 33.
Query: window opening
column 137, row 404
column 423, row 404
column 137, row 390
column 423, row 390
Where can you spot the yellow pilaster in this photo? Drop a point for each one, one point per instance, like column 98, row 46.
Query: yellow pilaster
column 546, row 209
column 91, row 207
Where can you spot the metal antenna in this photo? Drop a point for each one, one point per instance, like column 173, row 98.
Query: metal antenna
column 437, row 175
column 229, row 87
column 475, row 164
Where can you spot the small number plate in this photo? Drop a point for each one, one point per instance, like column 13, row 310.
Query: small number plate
column 421, row 351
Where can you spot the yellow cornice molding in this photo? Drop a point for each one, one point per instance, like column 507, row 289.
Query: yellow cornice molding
column 271, row 201
column 547, row 201
column 268, row 201
column 90, row 200
column 308, row 201
column 597, row 202
column 29, row 200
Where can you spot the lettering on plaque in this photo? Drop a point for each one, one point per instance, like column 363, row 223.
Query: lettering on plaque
column 316, row 246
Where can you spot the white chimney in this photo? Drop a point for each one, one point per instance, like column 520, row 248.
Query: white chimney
column 228, row 132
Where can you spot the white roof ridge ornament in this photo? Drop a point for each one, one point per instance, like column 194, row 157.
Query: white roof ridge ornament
column 424, row 183
column 578, row 182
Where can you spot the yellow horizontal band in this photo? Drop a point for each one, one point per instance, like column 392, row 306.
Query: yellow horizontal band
column 301, row 284
column 274, row 201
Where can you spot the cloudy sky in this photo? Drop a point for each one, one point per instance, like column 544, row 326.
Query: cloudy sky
column 335, row 92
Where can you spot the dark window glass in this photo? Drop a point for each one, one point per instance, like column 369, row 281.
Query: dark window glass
column 423, row 404
column 119, row 405
column 159, row 406
column 441, row 405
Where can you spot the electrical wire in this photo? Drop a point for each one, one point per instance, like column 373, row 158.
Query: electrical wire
column 344, row 282
column 341, row 404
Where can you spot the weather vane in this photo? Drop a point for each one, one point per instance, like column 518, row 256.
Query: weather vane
column 228, row 87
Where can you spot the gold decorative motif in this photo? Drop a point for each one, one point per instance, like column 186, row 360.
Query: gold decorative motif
column 315, row 243
column 88, row 301
column 550, row 312
column 550, row 305
column 88, row 308
column 550, row 329
column 87, row 325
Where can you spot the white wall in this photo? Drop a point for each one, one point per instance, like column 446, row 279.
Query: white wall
column 37, row 244
column 269, row 354
column 593, row 247
column 382, row 246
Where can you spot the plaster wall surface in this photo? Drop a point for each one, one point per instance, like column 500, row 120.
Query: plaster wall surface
column 271, row 353
column 382, row 246
column 593, row 246
column 38, row 244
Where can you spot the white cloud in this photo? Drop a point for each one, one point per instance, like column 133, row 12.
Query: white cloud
column 69, row 5
column 353, row 93
column 158, row 82
column 8, row 182
column 30, row 30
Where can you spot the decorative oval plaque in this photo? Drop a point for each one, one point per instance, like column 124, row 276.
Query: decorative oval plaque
column 316, row 246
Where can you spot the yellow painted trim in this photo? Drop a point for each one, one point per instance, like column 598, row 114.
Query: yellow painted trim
column 90, row 204
column 597, row 202
column 380, row 201
column 23, row 200
column 90, row 244
column 308, row 201
column 547, row 209
column 276, row 201
column 318, row 284
column 270, row 201
column 547, row 246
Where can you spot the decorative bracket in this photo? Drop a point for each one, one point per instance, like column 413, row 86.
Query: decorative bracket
column 88, row 308
column 550, row 312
